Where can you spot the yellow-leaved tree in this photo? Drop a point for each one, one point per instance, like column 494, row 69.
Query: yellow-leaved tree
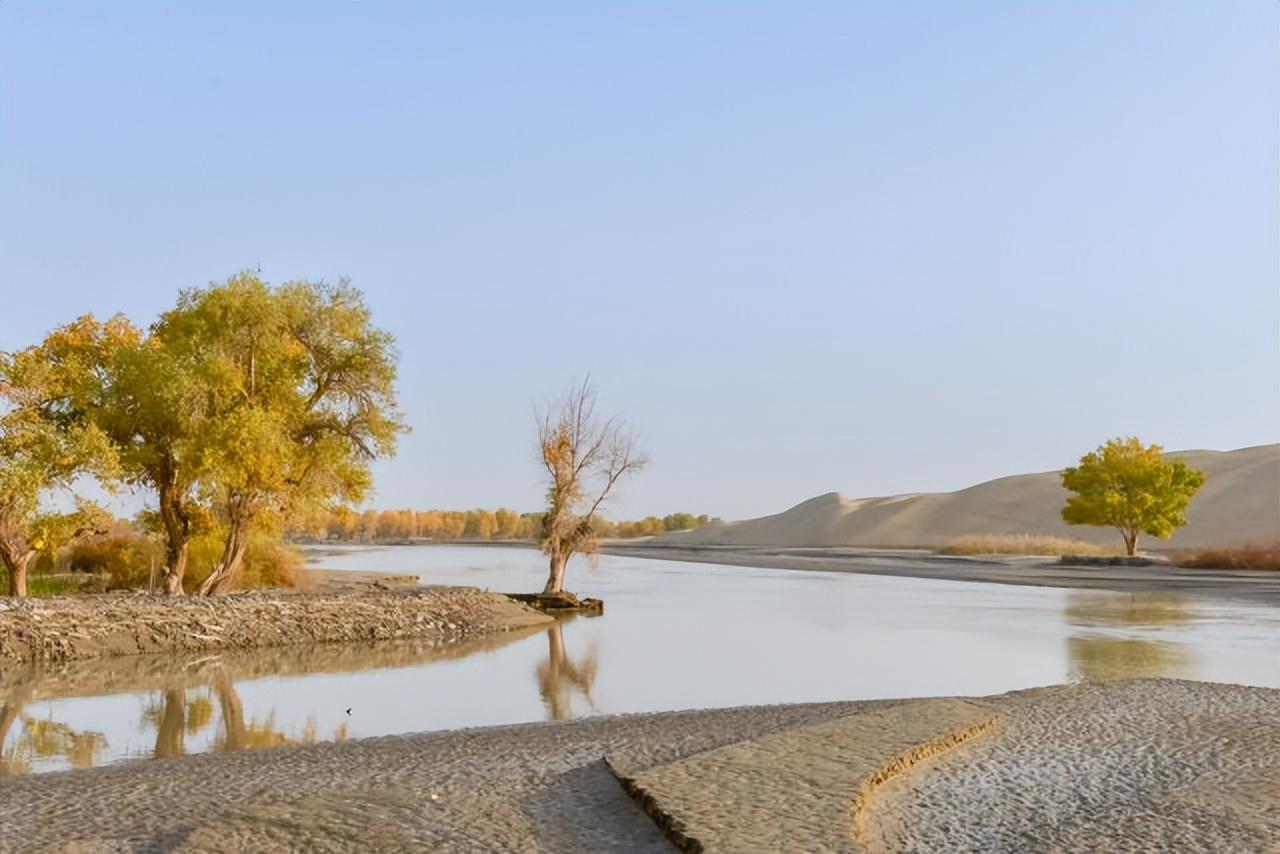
column 299, row 399
column 45, row 444
column 1131, row 487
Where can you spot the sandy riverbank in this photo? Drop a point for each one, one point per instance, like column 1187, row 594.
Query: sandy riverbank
column 1256, row 585
column 1121, row 766
column 98, row 626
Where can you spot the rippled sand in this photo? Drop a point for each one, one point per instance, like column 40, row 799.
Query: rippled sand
column 1116, row 766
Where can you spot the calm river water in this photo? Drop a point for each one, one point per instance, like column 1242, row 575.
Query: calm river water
column 674, row 636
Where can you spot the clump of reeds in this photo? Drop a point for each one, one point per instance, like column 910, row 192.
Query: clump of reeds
column 1252, row 556
column 1021, row 544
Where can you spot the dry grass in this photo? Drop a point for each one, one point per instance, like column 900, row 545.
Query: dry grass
column 1021, row 544
column 45, row 585
column 1253, row 556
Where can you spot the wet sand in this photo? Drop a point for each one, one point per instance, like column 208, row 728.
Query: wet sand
column 1122, row 766
column 1254, row 585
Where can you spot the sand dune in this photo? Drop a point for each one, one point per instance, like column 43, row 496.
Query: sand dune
column 1239, row 503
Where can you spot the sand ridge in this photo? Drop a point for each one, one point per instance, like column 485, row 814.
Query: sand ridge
column 1239, row 503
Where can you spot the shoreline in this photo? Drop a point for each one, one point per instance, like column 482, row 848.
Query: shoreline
column 1254, row 585
column 1159, row 763
column 1044, row 571
column 81, row 628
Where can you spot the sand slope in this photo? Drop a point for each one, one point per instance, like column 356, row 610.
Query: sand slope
column 1239, row 503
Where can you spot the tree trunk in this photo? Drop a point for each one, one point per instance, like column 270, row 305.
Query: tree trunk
column 17, row 565
column 1131, row 542
column 177, row 531
column 175, row 566
column 224, row 574
column 555, row 579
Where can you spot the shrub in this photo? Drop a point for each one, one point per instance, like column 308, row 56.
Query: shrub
column 126, row 560
column 1020, row 544
column 124, row 557
column 1253, row 556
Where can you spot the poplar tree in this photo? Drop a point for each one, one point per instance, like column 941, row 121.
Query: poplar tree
column 1131, row 487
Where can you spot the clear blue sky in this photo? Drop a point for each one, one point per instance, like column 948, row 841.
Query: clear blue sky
column 866, row 248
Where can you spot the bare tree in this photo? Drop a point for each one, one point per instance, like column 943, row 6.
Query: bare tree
column 585, row 457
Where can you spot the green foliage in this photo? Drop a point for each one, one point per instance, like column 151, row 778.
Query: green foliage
column 46, row 585
column 251, row 403
column 679, row 522
column 298, row 399
column 1133, row 488
column 245, row 404
column 45, row 444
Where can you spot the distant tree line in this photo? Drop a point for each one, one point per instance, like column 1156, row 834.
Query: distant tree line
column 345, row 525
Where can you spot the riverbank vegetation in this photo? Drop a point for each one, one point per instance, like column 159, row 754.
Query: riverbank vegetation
column 1021, row 544
column 129, row 555
column 345, row 525
column 245, row 404
column 1256, row 556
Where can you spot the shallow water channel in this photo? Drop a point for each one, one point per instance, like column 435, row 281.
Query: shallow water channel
column 674, row 636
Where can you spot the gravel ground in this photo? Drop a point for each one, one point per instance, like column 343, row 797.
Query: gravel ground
column 91, row 627
column 1148, row 765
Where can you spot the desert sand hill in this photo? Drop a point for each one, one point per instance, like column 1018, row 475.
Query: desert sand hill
column 1239, row 503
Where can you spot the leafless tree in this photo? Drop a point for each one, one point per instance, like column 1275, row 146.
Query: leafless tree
column 585, row 457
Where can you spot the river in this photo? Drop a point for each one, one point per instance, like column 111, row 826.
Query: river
column 674, row 636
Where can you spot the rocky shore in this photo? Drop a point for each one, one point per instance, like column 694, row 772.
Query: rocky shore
column 1142, row 765
column 90, row 627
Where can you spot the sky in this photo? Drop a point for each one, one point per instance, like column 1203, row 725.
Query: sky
column 801, row 248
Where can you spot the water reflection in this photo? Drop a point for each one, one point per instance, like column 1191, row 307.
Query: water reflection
column 193, row 705
column 560, row 677
column 42, row 739
column 1106, row 649
column 676, row 636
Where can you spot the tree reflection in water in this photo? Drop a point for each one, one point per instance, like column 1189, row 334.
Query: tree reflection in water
column 178, row 715
column 175, row 714
column 183, row 693
column 1099, row 652
column 42, row 739
column 560, row 677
